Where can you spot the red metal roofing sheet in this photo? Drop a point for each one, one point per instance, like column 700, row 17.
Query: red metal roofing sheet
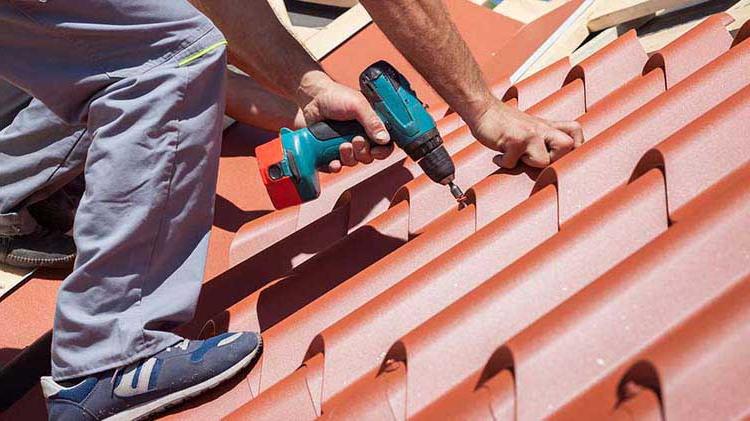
column 610, row 68
column 606, row 286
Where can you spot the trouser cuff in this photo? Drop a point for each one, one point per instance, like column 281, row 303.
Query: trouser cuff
column 17, row 223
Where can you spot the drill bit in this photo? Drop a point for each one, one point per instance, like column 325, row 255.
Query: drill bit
column 457, row 192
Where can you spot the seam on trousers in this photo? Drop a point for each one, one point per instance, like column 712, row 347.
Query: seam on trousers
column 201, row 53
column 202, row 31
column 180, row 110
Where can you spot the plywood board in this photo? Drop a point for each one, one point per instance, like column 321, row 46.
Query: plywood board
column 303, row 33
column 279, row 8
column 604, row 38
column 527, row 10
column 336, row 3
column 338, row 31
column 563, row 42
column 741, row 14
column 616, row 12
column 11, row 277
column 671, row 25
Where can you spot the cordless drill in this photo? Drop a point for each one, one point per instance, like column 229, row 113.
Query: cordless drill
column 289, row 164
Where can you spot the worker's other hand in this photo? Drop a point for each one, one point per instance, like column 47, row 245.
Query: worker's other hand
column 334, row 101
column 518, row 135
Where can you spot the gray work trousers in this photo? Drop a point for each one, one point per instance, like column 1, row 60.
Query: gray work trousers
column 131, row 93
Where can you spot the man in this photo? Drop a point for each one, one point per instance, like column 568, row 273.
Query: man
column 131, row 93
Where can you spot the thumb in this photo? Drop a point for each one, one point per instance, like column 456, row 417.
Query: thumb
column 374, row 127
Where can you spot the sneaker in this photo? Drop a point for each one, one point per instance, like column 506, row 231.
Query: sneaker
column 151, row 385
column 42, row 248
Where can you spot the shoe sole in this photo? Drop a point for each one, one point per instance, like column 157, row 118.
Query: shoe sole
column 150, row 408
column 30, row 263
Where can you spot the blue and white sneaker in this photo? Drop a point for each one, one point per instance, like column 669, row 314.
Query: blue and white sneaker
column 135, row 391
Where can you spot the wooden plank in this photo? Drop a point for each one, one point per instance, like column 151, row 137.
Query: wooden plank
column 527, row 10
column 279, row 7
column 11, row 277
column 741, row 14
column 671, row 25
column 303, row 33
column 568, row 39
column 657, row 40
column 617, row 12
column 604, row 38
column 335, row 3
column 338, row 31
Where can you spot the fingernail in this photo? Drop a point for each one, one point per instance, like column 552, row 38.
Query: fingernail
column 382, row 136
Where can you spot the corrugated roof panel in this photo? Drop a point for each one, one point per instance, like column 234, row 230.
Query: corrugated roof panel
column 607, row 161
column 540, row 85
column 610, row 68
column 501, row 307
column 555, row 359
column 680, row 58
column 702, row 153
column 666, row 278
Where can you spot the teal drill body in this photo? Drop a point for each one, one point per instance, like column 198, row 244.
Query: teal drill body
column 411, row 127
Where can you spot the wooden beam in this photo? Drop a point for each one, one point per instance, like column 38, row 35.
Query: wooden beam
column 617, row 12
column 657, row 40
column 338, row 31
column 564, row 41
column 303, row 33
column 604, row 38
column 336, row 3
column 672, row 25
column 741, row 14
column 527, row 10
column 11, row 277
column 279, row 7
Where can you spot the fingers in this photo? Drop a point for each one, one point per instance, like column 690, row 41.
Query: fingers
column 536, row 154
column 381, row 152
column 559, row 144
column 334, row 166
column 361, row 150
column 346, row 155
column 512, row 153
column 371, row 122
column 572, row 129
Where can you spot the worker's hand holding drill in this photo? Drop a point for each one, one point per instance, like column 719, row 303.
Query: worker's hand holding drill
column 325, row 99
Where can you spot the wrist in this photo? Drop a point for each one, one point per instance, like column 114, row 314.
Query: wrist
column 311, row 84
column 475, row 109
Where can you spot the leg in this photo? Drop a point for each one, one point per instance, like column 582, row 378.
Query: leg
column 149, row 84
column 142, row 226
column 40, row 153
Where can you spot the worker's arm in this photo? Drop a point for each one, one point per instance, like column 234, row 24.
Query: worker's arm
column 423, row 32
column 251, row 103
column 260, row 46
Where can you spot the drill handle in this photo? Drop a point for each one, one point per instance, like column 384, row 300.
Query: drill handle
column 330, row 135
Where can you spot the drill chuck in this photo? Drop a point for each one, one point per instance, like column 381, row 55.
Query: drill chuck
column 438, row 165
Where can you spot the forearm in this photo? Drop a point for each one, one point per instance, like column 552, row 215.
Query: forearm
column 423, row 32
column 250, row 103
column 260, row 46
